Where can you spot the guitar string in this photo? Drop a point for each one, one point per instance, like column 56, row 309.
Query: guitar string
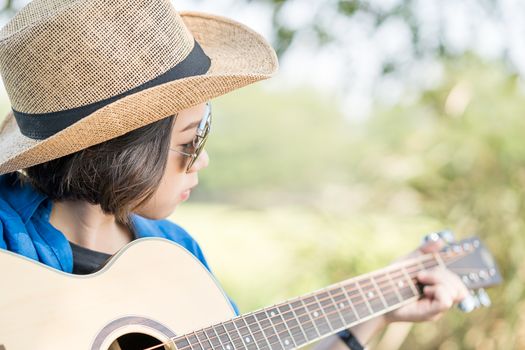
column 426, row 258
column 298, row 328
column 446, row 256
column 236, row 336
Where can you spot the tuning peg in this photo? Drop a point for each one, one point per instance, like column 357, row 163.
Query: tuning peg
column 483, row 297
column 468, row 304
column 445, row 235
column 431, row 237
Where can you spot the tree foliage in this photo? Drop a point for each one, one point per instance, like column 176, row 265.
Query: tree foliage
column 340, row 199
column 320, row 24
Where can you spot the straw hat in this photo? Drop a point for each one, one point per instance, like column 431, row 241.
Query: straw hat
column 80, row 72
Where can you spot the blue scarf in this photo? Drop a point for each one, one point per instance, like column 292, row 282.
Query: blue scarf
column 25, row 227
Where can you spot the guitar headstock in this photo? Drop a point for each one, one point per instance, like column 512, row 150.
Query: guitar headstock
column 472, row 262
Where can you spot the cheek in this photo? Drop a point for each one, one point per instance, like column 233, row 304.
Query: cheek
column 172, row 181
column 167, row 195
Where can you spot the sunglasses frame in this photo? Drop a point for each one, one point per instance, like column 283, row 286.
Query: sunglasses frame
column 201, row 136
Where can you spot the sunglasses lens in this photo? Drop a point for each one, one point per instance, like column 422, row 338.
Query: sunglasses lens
column 197, row 153
column 200, row 143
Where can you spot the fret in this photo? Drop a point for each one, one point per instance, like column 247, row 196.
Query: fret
column 421, row 266
column 269, row 330
column 379, row 291
column 292, row 324
column 409, row 281
column 317, row 315
column 370, row 295
column 393, row 297
column 367, row 289
column 403, row 287
column 330, row 309
column 432, row 263
column 224, row 337
column 322, row 311
column 351, row 302
column 257, row 332
column 214, row 339
column 203, row 340
column 305, row 320
column 302, row 338
column 281, row 327
column 439, row 260
column 323, row 317
column 173, row 344
column 395, row 285
column 358, row 301
column 182, row 343
column 245, row 333
column 345, row 305
column 250, row 332
column 234, row 335
column 194, row 342
column 412, row 269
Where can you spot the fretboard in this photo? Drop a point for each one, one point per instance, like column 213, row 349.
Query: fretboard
column 308, row 318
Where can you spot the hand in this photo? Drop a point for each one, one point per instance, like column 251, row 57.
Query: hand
column 442, row 290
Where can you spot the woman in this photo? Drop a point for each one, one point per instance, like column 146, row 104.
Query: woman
column 107, row 131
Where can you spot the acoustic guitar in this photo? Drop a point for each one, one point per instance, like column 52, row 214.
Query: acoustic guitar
column 153, row 294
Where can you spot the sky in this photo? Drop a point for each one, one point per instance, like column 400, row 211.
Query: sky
column 351, row 67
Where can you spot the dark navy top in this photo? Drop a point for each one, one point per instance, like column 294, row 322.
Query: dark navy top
column 86, row 261
column 25, row 228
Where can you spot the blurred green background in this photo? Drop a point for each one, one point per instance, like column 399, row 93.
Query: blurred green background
column 296, row 197
column 301, row 193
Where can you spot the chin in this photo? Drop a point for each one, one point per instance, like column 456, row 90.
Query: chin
column 157, row 214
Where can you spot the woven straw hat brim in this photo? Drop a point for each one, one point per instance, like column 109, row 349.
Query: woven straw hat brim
column 239, row 56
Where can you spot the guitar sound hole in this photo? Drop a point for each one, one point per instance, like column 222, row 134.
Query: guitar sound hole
column 135, row 341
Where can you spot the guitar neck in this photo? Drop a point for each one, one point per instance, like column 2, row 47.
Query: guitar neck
column 308, row 318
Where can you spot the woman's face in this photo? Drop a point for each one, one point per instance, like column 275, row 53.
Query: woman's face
column 176, row 184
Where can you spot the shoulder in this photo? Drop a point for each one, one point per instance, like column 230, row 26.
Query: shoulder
column 18, row 203
column 169, row 230
column 159, row 228
column 24, row 225
column 17, row 197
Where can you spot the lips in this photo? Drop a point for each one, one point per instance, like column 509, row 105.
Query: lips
column 186, row 194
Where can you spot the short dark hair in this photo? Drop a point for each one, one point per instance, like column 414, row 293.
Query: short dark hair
column 119, row 174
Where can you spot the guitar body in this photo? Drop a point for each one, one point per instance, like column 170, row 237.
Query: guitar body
column 152, row 286
column 154, row 294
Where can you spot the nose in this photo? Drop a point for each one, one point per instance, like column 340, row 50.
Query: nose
column 201, row 162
